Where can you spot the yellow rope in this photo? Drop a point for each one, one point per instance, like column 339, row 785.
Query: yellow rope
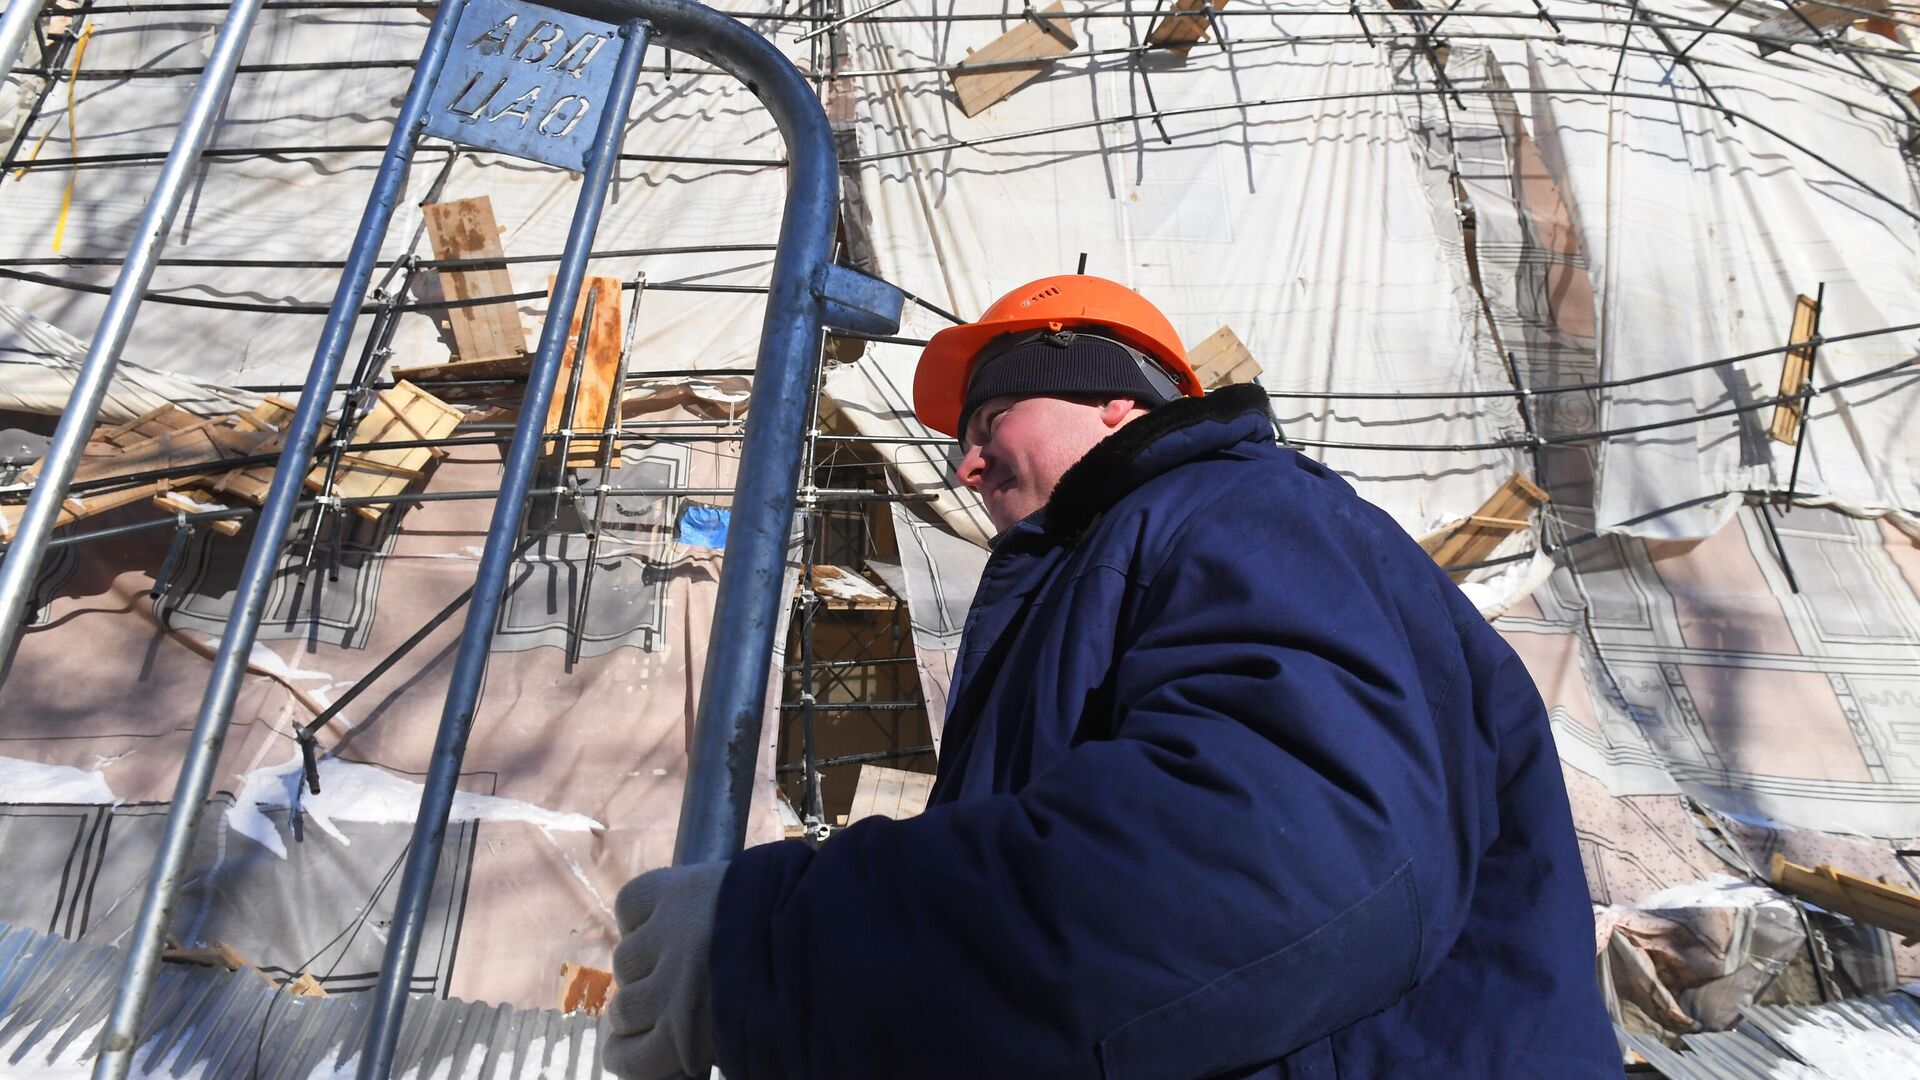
column 73, row 138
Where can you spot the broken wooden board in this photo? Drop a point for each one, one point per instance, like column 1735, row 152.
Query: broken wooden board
column 1221, row 360
column 455, row 381
column 1504, row 513
column 1795, row 371
column 596, row 378
column 1185, row 26
column 219, row 954
column 583, row 988
column 466, row 229
column 1036, row 40
column 889, row 793
column 405, row 413
column 305, row 985
column 841, row 589
column 1862, row 899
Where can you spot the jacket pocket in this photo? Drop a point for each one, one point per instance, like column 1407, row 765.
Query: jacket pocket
column 1354, row 965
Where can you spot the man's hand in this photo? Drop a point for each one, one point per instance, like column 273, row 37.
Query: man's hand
column 660, row 1025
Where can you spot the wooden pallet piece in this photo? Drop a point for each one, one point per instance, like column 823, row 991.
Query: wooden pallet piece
column 1222, row 360
column 1038, row 39
column 466, row 229
column 889, row 793
column 1187, row 25
column 1862, row 899
column 1504, row 513
column 150, row 424
column 1795, row 370
column 259, row 430
column 173, row 448
column 405, row 413
column 584, row 988
column 596, row 378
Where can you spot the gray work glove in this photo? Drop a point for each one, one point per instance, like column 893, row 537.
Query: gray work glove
column 660, row 1025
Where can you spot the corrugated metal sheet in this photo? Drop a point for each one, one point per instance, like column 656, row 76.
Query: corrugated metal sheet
column 214, row 1025
column 1857, row 1038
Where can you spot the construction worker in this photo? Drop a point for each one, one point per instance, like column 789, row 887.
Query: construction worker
column 1235, row 781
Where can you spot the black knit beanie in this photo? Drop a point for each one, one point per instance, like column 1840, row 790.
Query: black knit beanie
column 1064, row 363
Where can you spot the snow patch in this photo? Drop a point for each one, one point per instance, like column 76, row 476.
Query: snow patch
column 75, row 1060
column 266, row 661
column 367, row 793
column 1840, row 1049
column 35, row 782
column 1719, row 890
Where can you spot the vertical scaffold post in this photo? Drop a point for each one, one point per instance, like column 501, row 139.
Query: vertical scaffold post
column 496, row 559
column 21, row 567
column 121, row 1035
column 16, row 23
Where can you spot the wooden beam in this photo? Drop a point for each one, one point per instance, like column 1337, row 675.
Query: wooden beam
column 466, row 229
column 1038, row 39
column 1795, row 370
column 1861, row 899
column 1221, row 360
column 1504, row 513
column 596, row 379
column 1185, row 26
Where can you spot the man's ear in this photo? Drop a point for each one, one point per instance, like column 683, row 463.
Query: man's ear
column 1116, row 411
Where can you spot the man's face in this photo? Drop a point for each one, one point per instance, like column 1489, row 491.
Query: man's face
column 1017, row 448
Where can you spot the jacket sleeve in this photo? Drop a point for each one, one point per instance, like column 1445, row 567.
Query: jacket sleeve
column 1275, row 842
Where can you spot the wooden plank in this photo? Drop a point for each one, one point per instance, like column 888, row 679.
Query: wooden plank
column 1038, row 39
column 1506, row 511
column 584, row 988
column 596, row 378
column 1795, row 370
column 1886, row 906
column 1185, row 26
column 466, row 229
column 1222, row 360
column 890, row 793
column 405, row 413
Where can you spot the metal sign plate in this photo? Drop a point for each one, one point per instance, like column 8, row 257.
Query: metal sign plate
column 525, row 80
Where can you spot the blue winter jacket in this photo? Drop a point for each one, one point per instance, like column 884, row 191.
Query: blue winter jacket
column 1235, row 783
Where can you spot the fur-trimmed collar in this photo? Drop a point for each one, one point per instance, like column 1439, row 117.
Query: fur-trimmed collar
column 1121, row 462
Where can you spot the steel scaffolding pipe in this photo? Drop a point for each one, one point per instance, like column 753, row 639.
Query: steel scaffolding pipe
column 121, row 1036
column 16, row 23
column 496, row 559
column 21, row 567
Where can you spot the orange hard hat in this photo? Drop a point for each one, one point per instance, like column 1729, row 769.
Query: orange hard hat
column 1062, row 302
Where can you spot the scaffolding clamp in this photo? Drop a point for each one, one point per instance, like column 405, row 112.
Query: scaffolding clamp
column 857, row 302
